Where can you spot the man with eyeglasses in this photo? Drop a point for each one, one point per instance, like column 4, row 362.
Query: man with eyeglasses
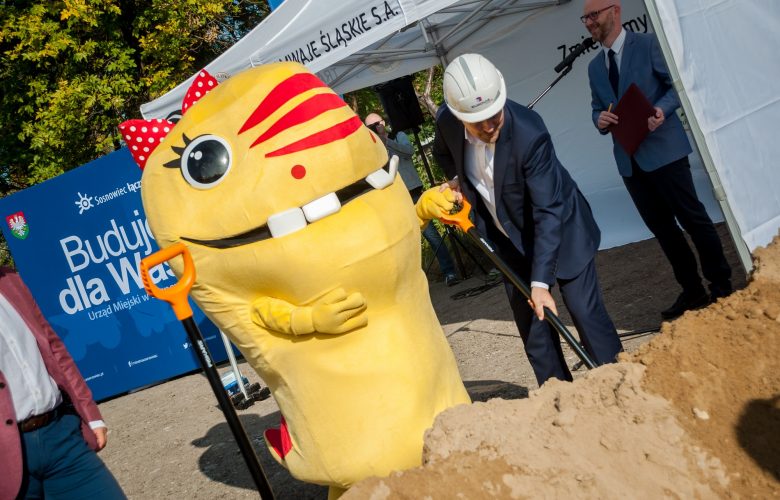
column 657, row 176
column 502, row 160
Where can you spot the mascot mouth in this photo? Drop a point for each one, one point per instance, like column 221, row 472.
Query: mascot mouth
column 294, row 219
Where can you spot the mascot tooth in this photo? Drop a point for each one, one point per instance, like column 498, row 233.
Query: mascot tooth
column 307, row 251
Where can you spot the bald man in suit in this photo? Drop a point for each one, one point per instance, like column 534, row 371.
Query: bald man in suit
column 657, row 175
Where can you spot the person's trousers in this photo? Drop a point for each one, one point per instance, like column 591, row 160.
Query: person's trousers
column 582, row 297
column 58, row 464
column 431, row 234
column 665, row 196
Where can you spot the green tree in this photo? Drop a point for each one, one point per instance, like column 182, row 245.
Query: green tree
column 72, row 70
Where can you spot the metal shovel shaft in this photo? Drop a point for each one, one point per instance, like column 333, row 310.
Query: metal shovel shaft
column 239, row 433
column 461, row 219
column 176, row 295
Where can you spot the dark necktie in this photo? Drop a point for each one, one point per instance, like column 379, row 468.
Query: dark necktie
column 614, row 76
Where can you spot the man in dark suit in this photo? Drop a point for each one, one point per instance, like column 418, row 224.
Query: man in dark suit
column 50, row 426
column 658, row 175
column 529, row 208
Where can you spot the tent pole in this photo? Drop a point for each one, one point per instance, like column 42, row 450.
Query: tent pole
column 433, row 40
column 699, row 140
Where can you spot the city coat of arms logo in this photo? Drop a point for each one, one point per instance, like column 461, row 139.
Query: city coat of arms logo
column 17, row 223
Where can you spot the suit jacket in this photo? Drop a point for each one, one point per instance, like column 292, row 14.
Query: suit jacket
column 61, row 368
column 642, row 63
column 537, row 203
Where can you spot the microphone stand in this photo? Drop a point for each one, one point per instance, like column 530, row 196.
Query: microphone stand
column 563, row 73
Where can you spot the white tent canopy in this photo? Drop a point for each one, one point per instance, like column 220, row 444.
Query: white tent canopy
column 353, row 44
column 318, row 34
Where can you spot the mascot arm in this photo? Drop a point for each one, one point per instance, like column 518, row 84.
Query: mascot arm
column 335, row 313
column 434, row 203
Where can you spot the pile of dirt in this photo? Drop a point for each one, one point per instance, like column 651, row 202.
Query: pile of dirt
column 693, row 413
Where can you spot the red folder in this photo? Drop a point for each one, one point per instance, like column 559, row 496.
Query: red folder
column 633, row 110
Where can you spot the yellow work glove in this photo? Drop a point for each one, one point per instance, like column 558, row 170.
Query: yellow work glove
column 334, row 313
column 433, row 204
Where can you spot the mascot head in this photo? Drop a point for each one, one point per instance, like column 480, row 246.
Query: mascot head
column 270, row 151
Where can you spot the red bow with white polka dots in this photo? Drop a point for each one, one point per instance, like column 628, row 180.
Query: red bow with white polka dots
column 142, row 136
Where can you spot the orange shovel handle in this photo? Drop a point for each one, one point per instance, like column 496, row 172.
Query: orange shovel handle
column 175, row 295
column 460, row 218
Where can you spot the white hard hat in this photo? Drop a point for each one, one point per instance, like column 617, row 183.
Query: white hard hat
column 474, row 89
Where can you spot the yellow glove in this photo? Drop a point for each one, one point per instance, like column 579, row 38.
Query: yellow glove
column 334, row 313
column 433, row 204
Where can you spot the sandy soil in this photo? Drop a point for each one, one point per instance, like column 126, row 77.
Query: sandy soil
column 172, row 440
column 694, row 413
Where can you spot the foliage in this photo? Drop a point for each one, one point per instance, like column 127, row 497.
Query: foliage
column 71, row 70
column 5, row 255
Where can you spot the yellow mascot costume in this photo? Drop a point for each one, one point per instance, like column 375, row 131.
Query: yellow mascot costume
column 307, row 252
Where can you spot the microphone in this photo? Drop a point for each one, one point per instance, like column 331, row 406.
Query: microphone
column 574, row 54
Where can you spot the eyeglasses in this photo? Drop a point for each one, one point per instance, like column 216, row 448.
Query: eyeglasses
column 375, row 126
column 594, row 15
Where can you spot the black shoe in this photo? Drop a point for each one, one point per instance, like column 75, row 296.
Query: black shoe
column 685, row 302
column 451, row 280
column 720, row 291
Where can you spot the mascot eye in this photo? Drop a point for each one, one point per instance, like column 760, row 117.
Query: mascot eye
column 205, row 161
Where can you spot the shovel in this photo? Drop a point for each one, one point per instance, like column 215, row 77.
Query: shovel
column 461, row 220
column 176, row 296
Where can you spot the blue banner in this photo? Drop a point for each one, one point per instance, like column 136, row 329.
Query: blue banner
column 77, row 240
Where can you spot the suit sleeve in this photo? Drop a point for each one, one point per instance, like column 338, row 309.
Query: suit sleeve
column 441, row 152
column 669, row 101
column 596, row 105
column 545, row 185
column 78, row 391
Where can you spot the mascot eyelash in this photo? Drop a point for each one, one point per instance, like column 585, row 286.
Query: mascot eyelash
column 179, row 150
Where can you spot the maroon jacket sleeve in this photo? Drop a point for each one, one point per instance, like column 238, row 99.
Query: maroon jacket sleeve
column 10, row 445
column 59, row 363
column 74, row 383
